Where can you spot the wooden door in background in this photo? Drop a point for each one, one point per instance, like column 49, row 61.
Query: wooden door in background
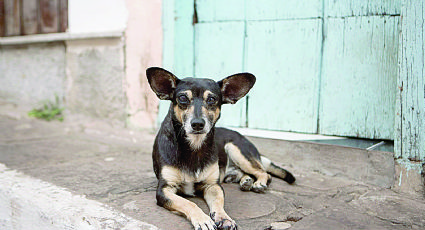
column 322, row 66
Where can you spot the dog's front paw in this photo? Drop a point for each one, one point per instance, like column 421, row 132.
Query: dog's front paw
column 203, row 222
column 223, row 221
column 246, row 183
column 259, row 187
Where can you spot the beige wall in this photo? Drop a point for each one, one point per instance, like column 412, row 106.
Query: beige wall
column 143, row 38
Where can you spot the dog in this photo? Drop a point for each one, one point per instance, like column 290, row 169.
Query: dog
column 192, row 157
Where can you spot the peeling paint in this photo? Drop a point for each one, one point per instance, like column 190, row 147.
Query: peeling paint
column 409, row 165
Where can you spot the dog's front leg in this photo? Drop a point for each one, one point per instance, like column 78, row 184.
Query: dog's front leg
column 166, row 196
column 214, row 196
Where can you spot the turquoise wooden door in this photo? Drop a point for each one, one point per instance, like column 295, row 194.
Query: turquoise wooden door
column 219, row 51
column 322, row 66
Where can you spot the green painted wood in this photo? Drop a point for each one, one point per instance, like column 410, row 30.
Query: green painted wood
column 359, row 77
column 219, row 49
column 343, row 85
column 283, row 9
column 168, row 28
column 285, row 57
column 178, row 42
column 183, row 38
column 344, row 8
column 235, row 10
column 220, row 10
column 409, row 140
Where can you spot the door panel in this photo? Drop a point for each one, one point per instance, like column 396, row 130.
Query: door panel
column 346, row 8
column 287, row 9
column 220, row 10
column 285, row 57
column 219, row 49
column 359, row 77
column 322, row 66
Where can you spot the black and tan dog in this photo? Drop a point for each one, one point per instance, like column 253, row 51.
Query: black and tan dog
column 191, row 156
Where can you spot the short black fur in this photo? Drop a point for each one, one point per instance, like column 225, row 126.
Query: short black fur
column 188, row 142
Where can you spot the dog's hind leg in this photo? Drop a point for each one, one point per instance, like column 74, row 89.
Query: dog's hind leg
column 235, row 175
column 250, row 167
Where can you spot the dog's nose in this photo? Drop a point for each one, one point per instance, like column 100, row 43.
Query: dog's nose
column 197, row 124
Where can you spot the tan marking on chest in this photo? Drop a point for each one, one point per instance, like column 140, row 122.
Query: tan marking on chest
column 185, row 182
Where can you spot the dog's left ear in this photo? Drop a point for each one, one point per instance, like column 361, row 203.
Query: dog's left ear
column 162, row 82
column 236, row 86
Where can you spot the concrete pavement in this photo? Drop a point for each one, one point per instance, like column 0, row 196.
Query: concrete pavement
column 110, row 167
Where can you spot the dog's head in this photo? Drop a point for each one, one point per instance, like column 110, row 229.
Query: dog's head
column 197, row 102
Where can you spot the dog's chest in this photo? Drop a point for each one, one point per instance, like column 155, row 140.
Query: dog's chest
column 188, row 183
column 185, row 182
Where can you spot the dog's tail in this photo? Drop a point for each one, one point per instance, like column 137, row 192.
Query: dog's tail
column 277, row 171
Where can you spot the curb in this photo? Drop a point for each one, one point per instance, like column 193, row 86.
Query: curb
column 29, row 203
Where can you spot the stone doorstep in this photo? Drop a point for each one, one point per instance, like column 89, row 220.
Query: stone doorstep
column 370, row 167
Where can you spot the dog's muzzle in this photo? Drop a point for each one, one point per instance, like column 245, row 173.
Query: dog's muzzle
column 198, row 125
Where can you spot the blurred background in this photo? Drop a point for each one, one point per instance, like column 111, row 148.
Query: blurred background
column 349, row 68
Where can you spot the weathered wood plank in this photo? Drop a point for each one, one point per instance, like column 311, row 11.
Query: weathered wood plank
column 168, row 24
column 220, row 10
column 29, row 17
column 285, row 57
column 219, row 49
column 183, row 38
column 410, row 114
column 344, row 8
column 287, row 9
column 63, row 15
column 12, row 17
column 359, row 77
column 2, row 22
column 49, row 16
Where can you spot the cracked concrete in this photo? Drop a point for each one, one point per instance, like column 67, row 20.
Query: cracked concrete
column 336, row 188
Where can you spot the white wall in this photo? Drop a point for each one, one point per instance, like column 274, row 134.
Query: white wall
column 97, row 16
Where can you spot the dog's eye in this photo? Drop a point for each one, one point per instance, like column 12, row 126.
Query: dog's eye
column 211, row 100
column 183, row 99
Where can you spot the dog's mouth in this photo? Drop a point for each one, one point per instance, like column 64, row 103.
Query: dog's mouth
column 197, row 132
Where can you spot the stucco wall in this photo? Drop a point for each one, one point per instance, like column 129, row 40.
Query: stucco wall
column 95, row 73
column 31, row 74
column 143, row 38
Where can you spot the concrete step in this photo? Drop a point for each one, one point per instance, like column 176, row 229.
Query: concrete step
column 29, row 203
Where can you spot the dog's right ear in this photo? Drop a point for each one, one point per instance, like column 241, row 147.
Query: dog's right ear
column 162, row 82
